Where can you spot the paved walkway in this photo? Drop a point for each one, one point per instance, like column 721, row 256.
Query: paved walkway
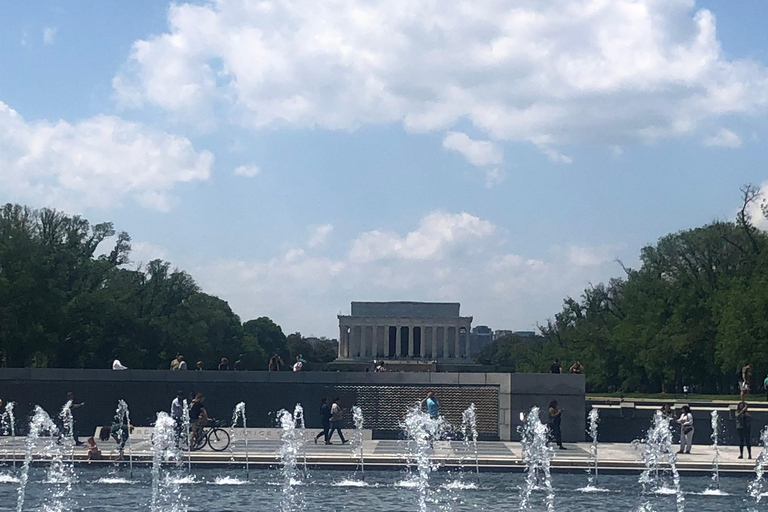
column 387, row 454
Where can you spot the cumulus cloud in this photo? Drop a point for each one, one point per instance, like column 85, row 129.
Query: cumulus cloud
column 544, row 72
column 447, row 257
column 319, row 235
column 724, row 139
column 97, row 162
column 247, row 171
column 477, row 152
column 437, row 231
column 49, row 35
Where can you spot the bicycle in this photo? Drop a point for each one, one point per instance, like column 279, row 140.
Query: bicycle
column 216, row 437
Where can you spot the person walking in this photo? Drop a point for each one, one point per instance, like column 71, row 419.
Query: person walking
column 686, row 430
column 325, row 421
column 743, row 428
column 555, row 418
column 72, row 408
column 432, row 405
column 337, row 416
column 746, row 377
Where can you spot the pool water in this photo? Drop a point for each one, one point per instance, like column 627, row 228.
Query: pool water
column 217, row 490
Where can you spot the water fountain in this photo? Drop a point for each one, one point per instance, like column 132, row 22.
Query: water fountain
column 421, row 430
column 292, row 445
column 357, row 437
column 469, row 432
column 656, row 447
column 123, row 417
column 40, row 425
column 537, row 456
column 592, row 476
column 166, row 496
column 298, row 417
column 715, row 419
column 185, row 431
column 757, row 486
column 9, row 428
column 238, row 415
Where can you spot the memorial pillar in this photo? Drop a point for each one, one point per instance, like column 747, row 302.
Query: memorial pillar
column 423, row 344
column 445, row 342
column 398, row 341
column 456, row 344
column 410, row 341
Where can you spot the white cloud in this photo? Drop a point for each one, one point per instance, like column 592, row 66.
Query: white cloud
column 247, row 171
column 144, row 252
column 551, row 73
column 97, row 162
column 494, row 177
column 724, row 139
column 49, row 35
column 448, row 257
column 437, row 231
column 319, row 235
column 477, row 152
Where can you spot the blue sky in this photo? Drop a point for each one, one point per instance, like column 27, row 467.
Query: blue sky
column 294, row 156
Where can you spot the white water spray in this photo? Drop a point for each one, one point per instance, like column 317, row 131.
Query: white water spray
column 421, row 430
column 357, row 436
column 166, row 495
column 469, row 432
column 658, row 448
column 715, row 419
column 292, row 499
column 238, row 415
column 537, row 456
column 757, row 487
column 40, row 425
column 9, row 428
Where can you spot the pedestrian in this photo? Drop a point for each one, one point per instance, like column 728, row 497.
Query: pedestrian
column 577, row 367
column 325, row 421
column 298, row 365
column 72, row 408
column 555, row 418
column 177, row 413
column 117, row 365
column 337, row 416
column 746, row 377
column 182, row 362
column 556, row 368
column 199, row 366
column 224, row 364
column 743, row 428
column 120, row 433
column 239, row 365
column 198, row 417
column 686, row 434
column 765, row 385
column 175, row 363
column 432, row 405
column 93, row 451
column 275, row 363
column 666, row 411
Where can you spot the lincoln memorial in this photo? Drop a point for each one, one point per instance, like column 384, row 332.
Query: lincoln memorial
column 432, row 331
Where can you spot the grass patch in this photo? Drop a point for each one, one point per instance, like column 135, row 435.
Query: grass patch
column 672, row 397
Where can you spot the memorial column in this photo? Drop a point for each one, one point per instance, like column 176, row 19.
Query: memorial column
column 398, row 341
column 456, row 344
column 445, row 342
column 410, row 341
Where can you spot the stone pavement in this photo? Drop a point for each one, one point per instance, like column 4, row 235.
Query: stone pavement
column 498, row 456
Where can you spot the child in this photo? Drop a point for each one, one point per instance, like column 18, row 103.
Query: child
column 93, row 451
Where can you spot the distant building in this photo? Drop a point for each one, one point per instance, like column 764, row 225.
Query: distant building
column 481, row 336
column 520, row 334
column 432, row 331
column 313, row 340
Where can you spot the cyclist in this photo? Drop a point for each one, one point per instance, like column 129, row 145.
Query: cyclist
column 198, row 417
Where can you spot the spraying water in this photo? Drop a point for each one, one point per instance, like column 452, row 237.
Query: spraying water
column 594, row 420
column 421, row 430
column 657, row 446
column 715, row 418
column 123, row 417
column 166, row 496
column 40, row 425
column 298, row 417
column 9, row 427
column 357, row 436
column 185, row 431
column 757, row 486
column 292, row 499
column 239, row 415
column 469, row 432
column 537, row 456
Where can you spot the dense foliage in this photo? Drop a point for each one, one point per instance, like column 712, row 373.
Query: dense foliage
column 693, row 314
column 62, row 305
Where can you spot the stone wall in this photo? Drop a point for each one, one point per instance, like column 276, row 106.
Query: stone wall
column 406, row 309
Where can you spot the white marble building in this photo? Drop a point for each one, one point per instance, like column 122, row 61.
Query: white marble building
column 433, row 331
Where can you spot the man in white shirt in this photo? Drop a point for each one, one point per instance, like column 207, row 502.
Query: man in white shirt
column 177, row 413
column 117, row 365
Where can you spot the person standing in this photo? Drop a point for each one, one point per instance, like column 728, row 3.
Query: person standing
column 239, row 365
column 555, row 418
column 432, row 405
column 556, row 368
column 224, row 364
column 198, row 416
column 182, row 362
column 298, row 365
column 325, row 421
column 686, row 434
column 175, row 363
column 177, row 413
column 275, row 363
column 337, row 416
column 117, row 365
column 72, row 409
column 743, row 428
column 746, row 376
column 765, row 385
column 577, row 367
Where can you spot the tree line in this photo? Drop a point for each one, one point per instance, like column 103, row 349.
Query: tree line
column 693, row 314
column 63, row 305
